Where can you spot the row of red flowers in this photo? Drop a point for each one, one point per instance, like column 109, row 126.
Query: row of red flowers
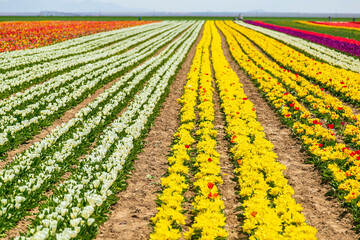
column 24, row 35
column 339, row 24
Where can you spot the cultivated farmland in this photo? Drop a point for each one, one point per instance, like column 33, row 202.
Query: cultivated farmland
column 181, row 129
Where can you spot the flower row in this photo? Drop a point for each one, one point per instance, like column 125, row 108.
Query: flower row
column 169, row 218
column 337, row 162
column 344, row 83
column 322, row 105
column 27, row 179
column 269, row 210
column 21, row 59
column 45, row 104
column 17, row 80
column 208, row 208
column 331, row 56
column 209, row 219
column 62, row 46
column 78, row 204
column 349, row 46
column 344, row 25
column 23, row 35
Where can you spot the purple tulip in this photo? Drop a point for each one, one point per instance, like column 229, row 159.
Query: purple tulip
column 346, row 47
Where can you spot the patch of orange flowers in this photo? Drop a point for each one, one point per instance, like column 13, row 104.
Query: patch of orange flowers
column 24, row 35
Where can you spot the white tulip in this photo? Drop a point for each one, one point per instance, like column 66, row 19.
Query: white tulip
column 75, row 222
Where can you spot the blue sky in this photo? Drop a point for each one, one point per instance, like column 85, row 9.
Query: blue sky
column 311, row 6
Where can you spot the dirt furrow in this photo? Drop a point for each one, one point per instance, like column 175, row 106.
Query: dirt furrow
column 326, row 214
column 228, row 188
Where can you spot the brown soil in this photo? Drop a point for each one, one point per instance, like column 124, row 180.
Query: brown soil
column 131, row 214
column 190, row 193
column 228, row 188
column 331, row 221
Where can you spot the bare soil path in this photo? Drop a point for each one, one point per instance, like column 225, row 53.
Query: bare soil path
column 229, row 187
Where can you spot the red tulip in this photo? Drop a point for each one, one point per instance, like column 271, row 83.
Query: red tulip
column 24, row 35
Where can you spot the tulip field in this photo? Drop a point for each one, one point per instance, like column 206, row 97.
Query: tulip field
column 24, row 35
column 344, row 25
column 178, row 129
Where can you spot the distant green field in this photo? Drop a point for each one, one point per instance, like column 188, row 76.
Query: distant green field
column 101, row 18
column 289, row 22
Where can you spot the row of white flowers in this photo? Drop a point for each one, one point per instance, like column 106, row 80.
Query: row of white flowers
column 108, row 71
column 22, row 162
column 30, row 185
column 328, row 55
column 7, row 105
column 13, row 81
column 77, row 199
column 49, row 104
column 7, row 56
column 92, row 70
column 74, row 47
column 77, row 59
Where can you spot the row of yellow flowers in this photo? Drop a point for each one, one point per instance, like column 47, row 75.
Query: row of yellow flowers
column 269, row 210
column 313, row 95
column 209, row 220
column 323, row 105
column 169, row 219
column 342, row 82
column 350, row 170
column 208, row 208
column 336, row 160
